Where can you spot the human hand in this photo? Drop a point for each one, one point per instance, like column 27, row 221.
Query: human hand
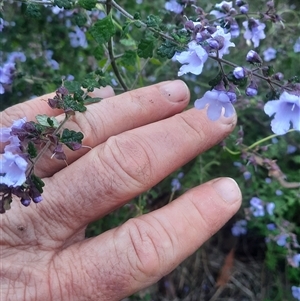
column 138, row 138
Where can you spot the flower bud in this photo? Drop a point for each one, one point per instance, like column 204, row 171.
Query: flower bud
column 239, row 72
column 189, row 25
column 251, row 90
column 239, row 2
column 253, row 57
column 25, row 202
column 278, row 76
column 213, row 44
column 244, row 9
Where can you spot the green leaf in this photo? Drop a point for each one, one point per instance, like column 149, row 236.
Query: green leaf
column 33, row 10
column 39, row 184
column 215, row 81
column 73, row 86
column 73, row 104
column 31, row 150
column 71, row 138
column 103, row 30
column 99, row 52
column 129, row 58
column 87, row 4
column 80, row 19
column 153, row 21
column 167, row 49
column 146, row 47
column 67, row 4
column 45, row 120
column 128, row 42
column 90, row 100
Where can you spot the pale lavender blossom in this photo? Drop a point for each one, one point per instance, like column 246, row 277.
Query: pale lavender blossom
column 297, row 45
column 193, row 59
column 269, row 54
column 1, row 24
column 278, row 192
column 270, row 208
column 174, row 6
column 254, row 31
column 291, row 149
column 295, row 261
column 271, row 227
column 286, row 110
column 296, row 292
column 16, row 56
column 281, row 240
column 239, row 228
column 257, row 207
column 239, row 72
column 78, row 38
column 53, row 64
column 221, row 9
column 6, row 75
column 12, row 169
column 217, row 101
column 224, row 39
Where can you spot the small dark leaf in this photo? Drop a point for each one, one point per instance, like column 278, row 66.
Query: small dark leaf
column 87, row 4
column 73, row 87
column 129, row 58
column 31, row 150
column 67, row 4
column 103, row 30
column 146, row 47
column 39, row 184
column 71, row 139
column 153, row 21
column 33, row 10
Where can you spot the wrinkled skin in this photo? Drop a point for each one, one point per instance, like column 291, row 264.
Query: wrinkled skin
column 137, row 139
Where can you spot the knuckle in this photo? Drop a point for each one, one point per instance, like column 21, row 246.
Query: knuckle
column 129, row 158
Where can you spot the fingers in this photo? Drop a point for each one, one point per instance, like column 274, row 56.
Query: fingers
column 137, row 254
column 39, row 105
column 129, row 164
column 118, row 114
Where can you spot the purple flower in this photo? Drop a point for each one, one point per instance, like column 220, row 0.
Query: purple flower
column 291, row 149
column 50, row 62
column 1, row 24
column 278, row 192
column 221, row 9
column 286, row 110
column 16, row 56
column 173, row 6
column 247, row 175
column 239, row 228
column 77, row 38
column 12, row 169
column 254, row 31
column 257, row 207
column 234, row 29
column 295, row 262
column 269, row 54
column 281, row 240
column 251, row 90
column 239, row 72
column 217, row 102
column 244, row 9
column 296, row 292
column 193, row 59
column 223, row 39
column 297, row 45
column 268, row 180
column 271, row 227
column 270, row 208
column 175, row 184
column 253, row 57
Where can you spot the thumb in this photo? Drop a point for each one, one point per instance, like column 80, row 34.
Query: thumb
column 137, row 254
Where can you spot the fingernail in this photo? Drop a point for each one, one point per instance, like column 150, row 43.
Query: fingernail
column 175, row 91
column 228, row 190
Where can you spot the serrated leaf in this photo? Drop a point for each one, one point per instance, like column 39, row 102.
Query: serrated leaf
column 33, row 10
column 73, row 104
column 80, row 19
column 129, row 58
column 38, row 182
column 73, row 86
column 67, row 4
column 45, row 120
column 90, row 100
column 31, row 150
column 71, row 139
column 103, row 30
column 128, row 42
column 153, row 21
column 99, row 52
column 146, row 47
column 87, row 4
